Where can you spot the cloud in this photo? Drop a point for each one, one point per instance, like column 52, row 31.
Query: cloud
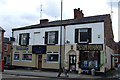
column 52, row 8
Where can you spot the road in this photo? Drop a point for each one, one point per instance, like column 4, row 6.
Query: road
column 17, row 77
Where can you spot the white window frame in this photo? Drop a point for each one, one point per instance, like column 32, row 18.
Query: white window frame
column 79, row 36
column 116, row 61
column 16, row 53
column 52, row 52
column 5, row 49
column 49, row 36
column 27, row 60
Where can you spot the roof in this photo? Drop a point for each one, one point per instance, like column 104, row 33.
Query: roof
column 6, row 40
column 90, row 19
column 1, row 29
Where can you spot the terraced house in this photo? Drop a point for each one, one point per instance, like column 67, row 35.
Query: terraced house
column 86, row 44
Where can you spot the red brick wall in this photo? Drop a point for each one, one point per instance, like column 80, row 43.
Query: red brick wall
column 108, row 32
column 5, row 53
column 1, row 42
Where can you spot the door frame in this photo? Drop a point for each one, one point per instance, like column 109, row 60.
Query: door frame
column 75, row 61
column 38, row 61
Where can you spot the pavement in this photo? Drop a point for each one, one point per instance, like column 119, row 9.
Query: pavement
column 48, row 74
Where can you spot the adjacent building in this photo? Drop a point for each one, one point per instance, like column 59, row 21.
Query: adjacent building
column 6, row 51
column 86, row 44
column 1, row 41
column 116, row 53
column 1, row 44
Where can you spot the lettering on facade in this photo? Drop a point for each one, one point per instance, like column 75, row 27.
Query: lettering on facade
column 90, row 47
column 21, row 48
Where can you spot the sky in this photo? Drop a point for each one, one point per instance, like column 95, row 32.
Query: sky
column 20, row 13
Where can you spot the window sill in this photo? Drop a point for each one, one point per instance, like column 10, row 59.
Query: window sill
column 51, row 62
column 50, row 44
column 16, row 60
column 27, row 60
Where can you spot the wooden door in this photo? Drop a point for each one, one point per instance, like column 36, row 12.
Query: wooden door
column 39, row 61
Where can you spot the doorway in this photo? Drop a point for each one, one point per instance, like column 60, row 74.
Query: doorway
column 5, row 60
column 39, row 61
column 72, row 62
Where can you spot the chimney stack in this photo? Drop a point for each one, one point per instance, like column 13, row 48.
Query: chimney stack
column 44, row 21
column 78, row 13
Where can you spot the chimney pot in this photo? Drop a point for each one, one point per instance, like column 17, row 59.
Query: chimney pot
column 78, row 13
column 43, row 21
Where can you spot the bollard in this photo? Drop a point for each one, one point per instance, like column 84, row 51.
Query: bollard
column 93, row 72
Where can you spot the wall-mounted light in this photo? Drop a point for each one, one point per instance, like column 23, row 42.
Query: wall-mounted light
column 67, row 41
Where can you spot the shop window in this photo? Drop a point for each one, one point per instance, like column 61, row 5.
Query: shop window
column 16, row 56
column 89, row 59
column 52, row 56
column 116, row 60
column 24, row 39
column 5, row 47
column 51, row 37
column 83, row 35
column 27, row 56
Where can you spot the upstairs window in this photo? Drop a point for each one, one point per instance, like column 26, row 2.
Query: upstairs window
column 83, row 35
column 51, row 37
column 5, row 47
column 24, row 39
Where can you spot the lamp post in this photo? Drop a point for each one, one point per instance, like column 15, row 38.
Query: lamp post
column 60, row 38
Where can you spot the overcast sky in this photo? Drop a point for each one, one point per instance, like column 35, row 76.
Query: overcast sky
column 20, row 13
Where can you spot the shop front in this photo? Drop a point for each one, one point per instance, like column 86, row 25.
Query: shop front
column 89, row 56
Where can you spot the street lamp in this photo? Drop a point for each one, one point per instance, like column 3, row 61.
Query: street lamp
column 60, row 38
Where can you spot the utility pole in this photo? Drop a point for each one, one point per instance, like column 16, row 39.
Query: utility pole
column 60, row 66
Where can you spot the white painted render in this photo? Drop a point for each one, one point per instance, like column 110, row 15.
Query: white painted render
column 37, row 35
column 97, row 29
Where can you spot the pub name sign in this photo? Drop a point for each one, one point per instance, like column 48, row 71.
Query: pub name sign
column 90, row 47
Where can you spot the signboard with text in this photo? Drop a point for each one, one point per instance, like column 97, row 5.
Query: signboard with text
column 90, row 47
column 39, row 49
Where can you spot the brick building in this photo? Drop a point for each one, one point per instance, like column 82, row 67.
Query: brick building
column 1, row 44
column 1, row 40
column 6, row 50
column 116, row 48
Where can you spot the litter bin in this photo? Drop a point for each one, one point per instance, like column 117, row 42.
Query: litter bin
column 93, row 72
